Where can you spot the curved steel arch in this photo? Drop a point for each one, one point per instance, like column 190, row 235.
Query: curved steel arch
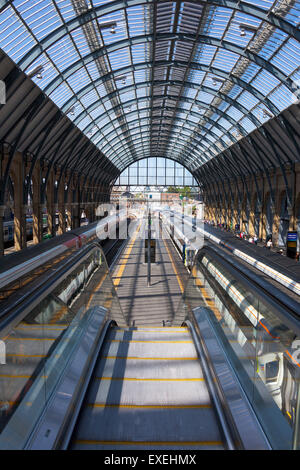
column 139, row 119
column 192, row 85
column 206, row 89
column 125, row 154
column 179, row 158
column 169, row 108
column 96, row 12
column 173, row 125
column 193, row 66
column 183, row 37
column 265, row 15
column 163, row 138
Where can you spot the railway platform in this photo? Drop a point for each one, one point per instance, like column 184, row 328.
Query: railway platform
column 272, row 258
column 156, row 304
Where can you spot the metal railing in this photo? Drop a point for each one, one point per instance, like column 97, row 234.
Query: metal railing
column 259, row 336
column 42, row 334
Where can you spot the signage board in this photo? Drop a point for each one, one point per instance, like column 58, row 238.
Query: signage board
column 291, row 244
column 152, row 250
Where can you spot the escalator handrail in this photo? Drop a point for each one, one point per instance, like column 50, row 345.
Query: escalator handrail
column 240, row 426
column 16, row 311
column 288, row 311
column 210, row 379
column 75, row 381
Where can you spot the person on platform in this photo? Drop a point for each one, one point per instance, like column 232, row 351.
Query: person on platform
column 269, row 244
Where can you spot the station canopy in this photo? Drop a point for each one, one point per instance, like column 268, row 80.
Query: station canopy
column 150, row 78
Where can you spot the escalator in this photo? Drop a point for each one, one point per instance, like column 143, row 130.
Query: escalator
column 222, row 376
column 147, row 392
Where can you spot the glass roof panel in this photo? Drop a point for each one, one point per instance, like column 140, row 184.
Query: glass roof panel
column 145, row 73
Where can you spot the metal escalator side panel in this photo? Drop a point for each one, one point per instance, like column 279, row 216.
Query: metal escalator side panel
column 242, row 422
column 64, row 404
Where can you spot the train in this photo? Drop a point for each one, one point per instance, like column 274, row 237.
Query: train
column 8, row 228
column 184, row 239
column 62, row 245
column 273, row 351
column 174, row 218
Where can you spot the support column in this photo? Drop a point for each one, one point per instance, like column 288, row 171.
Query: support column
column 61, row 209
column 36, row 205
column 276, row 216
column 87, row 210
column 251, row 224
column 19, row 210
column 76, row 209
column 68, row 202
column 2, row 211
column 94, row 211
column 50, row 204
column 292, row 209
column 262, row 221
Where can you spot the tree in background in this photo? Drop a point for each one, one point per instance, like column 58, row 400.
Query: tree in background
column 173, row 189
column 184, row 192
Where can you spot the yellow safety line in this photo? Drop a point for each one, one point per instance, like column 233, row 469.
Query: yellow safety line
column 5, row 402
column 96, row 289
column 59, row 314
column 119, row 275
column 150, row 443
column 145, row 341
column 12, row 338
column 152, row 358
column 135, row 379
column 206, row 296
column 176, row 407
column 19, row 376
column 26, row 355
column 42, row 327
column 154, row 328
column 174, row 268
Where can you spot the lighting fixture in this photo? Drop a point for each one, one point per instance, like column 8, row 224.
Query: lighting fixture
column 122, row 79
column 37, row 72
column 109, row 24
column 216, row 80
column 71, row 111
column 245, row 27
column 267, row 113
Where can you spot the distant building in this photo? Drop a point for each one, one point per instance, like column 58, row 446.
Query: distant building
column 127, row 195
column 169, row 197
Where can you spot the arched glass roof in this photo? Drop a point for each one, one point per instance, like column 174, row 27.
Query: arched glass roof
column 156, row 172
column 174, row 79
